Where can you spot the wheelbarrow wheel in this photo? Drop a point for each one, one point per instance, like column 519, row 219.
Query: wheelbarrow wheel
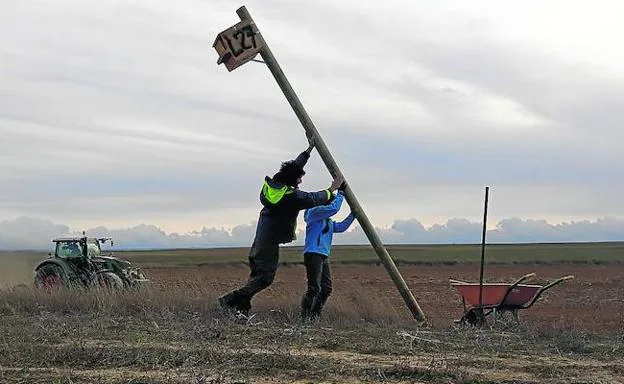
column 474, row 317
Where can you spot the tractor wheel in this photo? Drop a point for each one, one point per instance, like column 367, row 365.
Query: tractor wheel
column 109, row 282
column 49, row 278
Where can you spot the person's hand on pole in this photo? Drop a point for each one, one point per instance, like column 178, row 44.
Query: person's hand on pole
column 342, row 187
column 338, row 180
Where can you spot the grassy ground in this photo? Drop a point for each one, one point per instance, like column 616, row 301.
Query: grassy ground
column 18, row 266
column 174, row 337
column 582, row 253
column 514, row 253
column 172, row 332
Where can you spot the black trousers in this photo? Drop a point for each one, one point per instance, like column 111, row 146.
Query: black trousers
column 263, row 260
column 319, row 278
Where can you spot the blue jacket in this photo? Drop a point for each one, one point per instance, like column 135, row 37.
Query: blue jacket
column 320, row 228
column 281, row 206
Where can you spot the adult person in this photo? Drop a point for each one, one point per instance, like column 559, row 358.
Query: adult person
column 282, row 200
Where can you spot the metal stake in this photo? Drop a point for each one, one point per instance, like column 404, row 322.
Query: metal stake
column 485, row 209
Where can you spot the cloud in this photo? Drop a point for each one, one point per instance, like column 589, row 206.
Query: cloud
column 512, row 230
column 31, row 233
column 604, row 229
column 117, row 114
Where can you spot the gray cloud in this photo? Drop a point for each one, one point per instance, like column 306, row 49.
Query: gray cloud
column 115, row 113
column 31, row 233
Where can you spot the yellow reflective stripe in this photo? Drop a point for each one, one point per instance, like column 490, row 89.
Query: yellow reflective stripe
column 329, row 194
column 273, row 195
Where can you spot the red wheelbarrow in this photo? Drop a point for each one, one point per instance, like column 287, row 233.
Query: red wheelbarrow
column 495, row 299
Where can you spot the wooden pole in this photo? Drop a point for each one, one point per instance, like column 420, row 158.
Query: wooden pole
column 331, row 165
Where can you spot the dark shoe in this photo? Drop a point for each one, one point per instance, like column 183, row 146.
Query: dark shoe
column 307, row 317
column 225, row 304
column 316, row 314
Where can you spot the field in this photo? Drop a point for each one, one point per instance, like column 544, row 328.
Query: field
column 173, row 332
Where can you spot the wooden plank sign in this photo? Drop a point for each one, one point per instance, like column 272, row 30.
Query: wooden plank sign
column 238, row 44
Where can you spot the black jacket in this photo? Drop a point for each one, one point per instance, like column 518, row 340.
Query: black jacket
column 281, row 206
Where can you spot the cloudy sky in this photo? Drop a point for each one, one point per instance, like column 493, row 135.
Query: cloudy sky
column 115, row 114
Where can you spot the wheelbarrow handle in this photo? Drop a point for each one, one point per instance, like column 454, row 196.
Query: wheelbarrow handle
column 545, row 288
column 562, row 279
column 526, row 277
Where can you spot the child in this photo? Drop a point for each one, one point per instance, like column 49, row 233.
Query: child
column 318, row 241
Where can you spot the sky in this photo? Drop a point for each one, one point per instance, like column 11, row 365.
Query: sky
column 115, row 117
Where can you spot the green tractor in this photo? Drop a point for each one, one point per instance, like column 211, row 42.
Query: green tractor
column 78, row 262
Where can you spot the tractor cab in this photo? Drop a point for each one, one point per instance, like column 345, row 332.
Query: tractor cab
column 79, row 247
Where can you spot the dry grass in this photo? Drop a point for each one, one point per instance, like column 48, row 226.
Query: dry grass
column 175, row 334
column 194, row 297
